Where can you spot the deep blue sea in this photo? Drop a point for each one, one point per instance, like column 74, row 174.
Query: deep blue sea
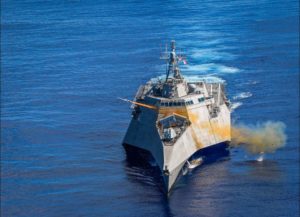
column 63, row 65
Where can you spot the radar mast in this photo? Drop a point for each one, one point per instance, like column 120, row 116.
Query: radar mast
column 172, row 62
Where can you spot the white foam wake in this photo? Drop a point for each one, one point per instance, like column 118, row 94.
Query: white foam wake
column 235, row 105
column 207, row 79
column 260, row 157
column 194, row 78
column 211, row 54
column 242, row 95
column 210, row 68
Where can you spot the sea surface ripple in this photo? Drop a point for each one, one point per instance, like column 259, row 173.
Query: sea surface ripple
column 63, row 65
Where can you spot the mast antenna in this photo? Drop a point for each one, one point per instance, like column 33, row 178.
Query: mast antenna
column 172, row 61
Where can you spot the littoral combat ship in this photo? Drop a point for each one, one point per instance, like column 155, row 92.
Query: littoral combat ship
column 175, row 121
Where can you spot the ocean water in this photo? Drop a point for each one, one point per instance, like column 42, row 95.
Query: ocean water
column 63, row 65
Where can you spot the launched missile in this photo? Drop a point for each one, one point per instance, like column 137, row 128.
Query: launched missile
column 138, row 103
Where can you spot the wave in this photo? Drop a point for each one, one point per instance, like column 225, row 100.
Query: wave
column 211, row 54
column 210, row 68
column 235, row 105
column 207, row 79
column 242, row 95
column 201, row 35
column 193, row 78
column 252, row 82
column 201, row 44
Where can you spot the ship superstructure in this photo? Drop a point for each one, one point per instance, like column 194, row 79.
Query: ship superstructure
column 174, row 120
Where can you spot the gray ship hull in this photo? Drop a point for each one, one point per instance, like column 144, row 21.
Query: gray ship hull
column 174, row 119
column 143, row 143
column 141, row 157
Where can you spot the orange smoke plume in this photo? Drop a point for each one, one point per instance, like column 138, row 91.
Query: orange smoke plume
column 261, row 138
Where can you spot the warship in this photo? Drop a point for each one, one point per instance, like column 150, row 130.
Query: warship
column 176, row 122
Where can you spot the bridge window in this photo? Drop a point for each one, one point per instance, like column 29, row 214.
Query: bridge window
column 201, row 99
